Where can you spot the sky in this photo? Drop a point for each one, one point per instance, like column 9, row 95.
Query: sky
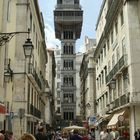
column 90, row 9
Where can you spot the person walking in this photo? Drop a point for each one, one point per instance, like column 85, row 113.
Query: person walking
column 75, row 135
column 112, row 134
column 40, row 135
column 104, row 134
column 137, row 134
column 27, row 136
column 1, row 136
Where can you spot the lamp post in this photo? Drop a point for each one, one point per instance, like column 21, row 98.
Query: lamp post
column 112, row 84
column 28, row 48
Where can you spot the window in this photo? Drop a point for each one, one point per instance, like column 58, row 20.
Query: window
column 8, row 10
column 125, row 80
column 122, row 18
column 101, row 57
column 58, row 109
column 109, row 68
column 113, row 60
column 58, row 68
column 68, row 35
column 119, row 86
column 123, row 46
column 106, row 97
column 116, row 27
column 58, row 84
column 105, row 70
column 30, row 22
column 58, row 102
column 68, row 49
column 97, row 84
column 108, row 45
column 68, row 80
column 58, row 52
column 76, row 1
column 68, row 64
column 58, row 76
column 102, row 77
column 105, row 51
column 68, row 115
column 112, row 37
column 58, row 62
column 117, row 54
column 59, row 1
column 58, row 94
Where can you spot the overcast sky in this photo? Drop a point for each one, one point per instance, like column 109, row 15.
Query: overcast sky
column 91, row 10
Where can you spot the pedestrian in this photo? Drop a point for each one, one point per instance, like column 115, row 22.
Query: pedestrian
column 117, row 134
column 137, row 134
column 104, row 134
column 75, row 135
column 40, row 135
column 27, row 136
column 112, row 134
column 1, row 136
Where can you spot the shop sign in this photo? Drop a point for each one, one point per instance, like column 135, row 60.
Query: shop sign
column 121, row 118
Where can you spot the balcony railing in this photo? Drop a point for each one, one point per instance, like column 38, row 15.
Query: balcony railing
column 69, row 18
column 31, row 70
column 117, row 68
column 68, row 87
column 34, row 111
column 120, row 101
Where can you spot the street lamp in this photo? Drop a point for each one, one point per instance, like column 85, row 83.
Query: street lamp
column 8, row 75
column 113, row 84
column 88, row 106
column 28, row 48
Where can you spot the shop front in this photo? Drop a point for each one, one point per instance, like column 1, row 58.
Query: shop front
column 120, row 121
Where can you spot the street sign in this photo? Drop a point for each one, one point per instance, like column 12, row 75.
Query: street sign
column 92, row 120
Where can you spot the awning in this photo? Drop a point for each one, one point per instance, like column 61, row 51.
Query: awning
column 112, row 123
column 2, row 108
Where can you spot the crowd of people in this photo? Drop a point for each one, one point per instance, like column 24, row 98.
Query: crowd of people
column 114, row 134
column 105, row 134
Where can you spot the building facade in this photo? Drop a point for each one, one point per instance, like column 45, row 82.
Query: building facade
column 87, row 82
column 79, row 57
column 23, row 94
column 50, row 76
column 117, row 57
column 57, row 52
column 68, row 18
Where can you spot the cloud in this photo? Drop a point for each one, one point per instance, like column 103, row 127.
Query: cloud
column 51, row 41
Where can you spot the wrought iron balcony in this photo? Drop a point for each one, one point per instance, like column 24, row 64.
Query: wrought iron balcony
column 122, row 63
column 122, row 100
column 34, row 111
column 32, row 71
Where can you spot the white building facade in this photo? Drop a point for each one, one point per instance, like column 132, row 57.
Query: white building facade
column 117, row 70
